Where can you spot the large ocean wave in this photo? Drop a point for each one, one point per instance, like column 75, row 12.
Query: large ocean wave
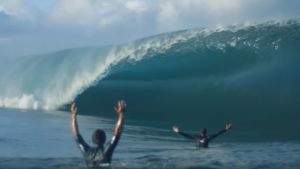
column 244, row 68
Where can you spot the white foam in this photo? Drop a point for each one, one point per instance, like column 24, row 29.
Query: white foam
column 23, row 102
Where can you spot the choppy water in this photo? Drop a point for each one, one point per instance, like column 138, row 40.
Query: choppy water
column 35, row 139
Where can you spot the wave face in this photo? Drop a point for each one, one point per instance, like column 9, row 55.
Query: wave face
column 249, row 71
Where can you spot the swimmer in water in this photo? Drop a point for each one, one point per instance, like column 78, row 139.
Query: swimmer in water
column 99, row 155
column 202, row 140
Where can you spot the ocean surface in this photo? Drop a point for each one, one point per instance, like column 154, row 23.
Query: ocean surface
column 247, row 75
column 35, row 139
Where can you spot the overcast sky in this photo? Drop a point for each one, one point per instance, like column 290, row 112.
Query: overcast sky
column 41, row 26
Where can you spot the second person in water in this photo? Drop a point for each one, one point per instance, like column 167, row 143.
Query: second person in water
column 202, row 140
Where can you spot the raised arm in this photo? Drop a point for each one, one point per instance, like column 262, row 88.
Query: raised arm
column 182, row 133
column 74, row 120
column 228, row 127
column 80, row 141
column 108, row 151
column 121, row 111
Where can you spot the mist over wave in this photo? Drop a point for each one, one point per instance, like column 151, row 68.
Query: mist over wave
column 249, row 68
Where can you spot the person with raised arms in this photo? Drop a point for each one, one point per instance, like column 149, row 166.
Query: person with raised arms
column 99, row 155
column 202, row 140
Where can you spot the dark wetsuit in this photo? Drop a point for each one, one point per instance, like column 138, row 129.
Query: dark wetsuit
column 202, row 141
column 97, row 156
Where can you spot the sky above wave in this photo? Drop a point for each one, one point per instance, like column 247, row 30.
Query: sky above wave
column 40, row 26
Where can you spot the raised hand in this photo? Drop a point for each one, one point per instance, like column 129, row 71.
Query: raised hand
column 228, row 126
column 73, row 109
column 175, row 129
column 122, row 108
column 74, row 120
column 121, row 111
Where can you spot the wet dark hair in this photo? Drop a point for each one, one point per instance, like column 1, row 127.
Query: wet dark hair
column 203, row 131
column 99, row 137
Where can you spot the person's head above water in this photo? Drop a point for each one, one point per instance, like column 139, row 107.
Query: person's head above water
column 99, row 137
column 203, row 131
